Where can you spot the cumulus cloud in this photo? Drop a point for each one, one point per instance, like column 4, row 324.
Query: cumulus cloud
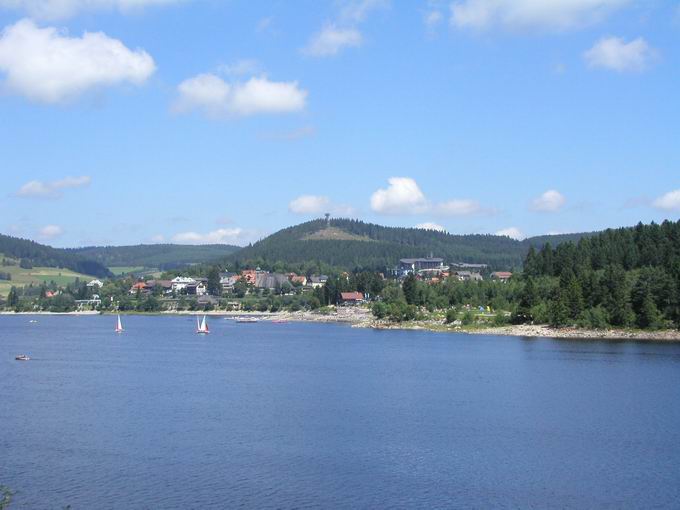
column 357, row 11
column 220, row 236
column 158, row 239
column 241, row 67
column 614, row 54
column 318, row 204
column 50, row 232
column 668, row 202
column 550, row 201
column 59, row 9
column 511, row 232
column 551, row 15
column 431, row 226
column 343, row 32
column 309, row 204
column 458, row 208
column 402, row 196
column 54, row 189
column 331, row 40
column 214, row 97
column 48, row 66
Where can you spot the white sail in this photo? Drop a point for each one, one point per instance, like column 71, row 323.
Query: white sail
column 204, row 328
column 119, row 326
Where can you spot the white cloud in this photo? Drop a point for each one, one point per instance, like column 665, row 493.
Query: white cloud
column 431, row 226
column 50, row 232
column 432, row 18
column 219, row 236
column 615, row 54
column 402, row 196
column 58, row 9
column 158, row 239
column 212, row 96
column 241, row 67
column 511, row 232
column 41, row 189
column 550, row 201
column 332, row 39
column 458, row 208
column 309, row 204
column 668, row 202
column 49, row 66
column 552, row 15
column 357, row 11
column 318, row 204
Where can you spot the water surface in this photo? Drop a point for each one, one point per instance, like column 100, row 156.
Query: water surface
column 325, row 416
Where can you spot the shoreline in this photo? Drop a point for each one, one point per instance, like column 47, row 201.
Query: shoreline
column 362, row 318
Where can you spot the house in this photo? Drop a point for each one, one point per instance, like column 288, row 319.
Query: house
column 467, row 276
column 140, row 287
column 180, row 283
column 165, row 286
column 270, row 280
column 228, row 280
column 199, row 288
column 294, row 278
column 421, row 266
column 317, row 281
column 503, row 276
column 249, row 275
column 95, row 283
column 351, row 298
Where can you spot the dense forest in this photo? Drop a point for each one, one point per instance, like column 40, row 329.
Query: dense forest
column 35, row 254
column 162, row 256
column 620, row 277
column 375, row 247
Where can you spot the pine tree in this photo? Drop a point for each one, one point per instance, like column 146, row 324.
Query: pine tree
column 410, row 288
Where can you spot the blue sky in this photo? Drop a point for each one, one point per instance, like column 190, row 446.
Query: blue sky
column 128, row 121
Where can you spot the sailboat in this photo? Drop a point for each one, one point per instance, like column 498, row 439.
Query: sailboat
column 202, row 327
column 119, row 326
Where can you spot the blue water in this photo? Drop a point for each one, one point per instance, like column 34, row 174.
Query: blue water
column 325, row 416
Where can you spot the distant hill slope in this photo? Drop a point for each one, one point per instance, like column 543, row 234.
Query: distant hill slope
column 162, row 256
column 45, row 256
column 370, row 246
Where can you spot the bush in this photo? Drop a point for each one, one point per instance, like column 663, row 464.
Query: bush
column 594, row 318
column 451, row 315
column 468, row 318
column 500, row 319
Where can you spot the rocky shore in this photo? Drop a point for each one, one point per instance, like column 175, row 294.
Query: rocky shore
column 362, row 318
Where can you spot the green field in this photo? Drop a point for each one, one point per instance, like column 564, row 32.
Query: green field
column 123, row 270
column 36, row 276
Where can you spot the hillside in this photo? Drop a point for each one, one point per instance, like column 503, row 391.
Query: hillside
column 161, row 256
column 16, row 276
column 352, row 244
column 40, row 255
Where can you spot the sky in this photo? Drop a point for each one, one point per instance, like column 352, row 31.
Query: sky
column 222, row 121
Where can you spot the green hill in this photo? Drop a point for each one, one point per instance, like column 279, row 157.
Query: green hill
column 161, row 256
column 353, row 244
column 30, row 253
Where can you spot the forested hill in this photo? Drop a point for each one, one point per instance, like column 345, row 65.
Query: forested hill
column 353, row 244
column 621, row 277
column 35, row 254
column 163, row 256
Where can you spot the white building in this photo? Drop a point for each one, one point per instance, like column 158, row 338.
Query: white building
column 180, row 283
column 95, row 283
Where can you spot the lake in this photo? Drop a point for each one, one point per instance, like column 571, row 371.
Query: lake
column 327, row 416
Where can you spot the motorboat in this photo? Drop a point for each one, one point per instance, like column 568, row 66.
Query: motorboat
column 22, row 357
column 247, row 320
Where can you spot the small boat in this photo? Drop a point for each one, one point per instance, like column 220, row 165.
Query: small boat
column 247, row 320
column 119, row 326
column 202, row 327
column 280, row 321
column 32, row 321
column 22, row 357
